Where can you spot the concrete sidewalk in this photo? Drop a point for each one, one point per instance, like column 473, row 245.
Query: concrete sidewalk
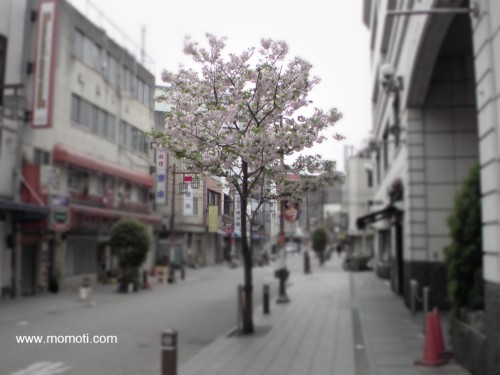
column 336, row 323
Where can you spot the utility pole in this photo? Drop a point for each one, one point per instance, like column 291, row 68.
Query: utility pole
column 172, row 227
column 195, row 184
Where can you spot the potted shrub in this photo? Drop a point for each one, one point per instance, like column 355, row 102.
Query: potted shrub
column 319, row 240
column 130, row 242
column 55, row 279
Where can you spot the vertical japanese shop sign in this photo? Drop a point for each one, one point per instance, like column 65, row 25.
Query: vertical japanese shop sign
column 237, row 214
column 213, row 216
column 43, row 87
column 161, row 177
column 188, row 197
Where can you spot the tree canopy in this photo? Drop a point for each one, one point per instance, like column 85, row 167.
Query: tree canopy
column 247, row 114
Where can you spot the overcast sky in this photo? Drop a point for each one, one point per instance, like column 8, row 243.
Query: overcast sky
column 327, row 33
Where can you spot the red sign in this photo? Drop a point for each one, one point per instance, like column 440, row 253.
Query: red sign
column 291, row 211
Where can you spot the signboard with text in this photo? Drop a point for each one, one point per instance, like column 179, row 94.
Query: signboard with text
column 59, row 219
column 43, row 86
column 161, row 177
column 188, row 197
column 213, row 219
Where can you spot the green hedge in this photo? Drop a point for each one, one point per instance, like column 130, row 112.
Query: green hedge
column 319, row 240
column 464, row 258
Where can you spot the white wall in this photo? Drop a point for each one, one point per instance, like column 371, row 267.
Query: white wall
column 487, row 56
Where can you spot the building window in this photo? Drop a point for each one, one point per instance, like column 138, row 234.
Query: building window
column 133, row 138
column 75, row 108
column 41, row 157
column 91, row 117
column 160, row 119
column 369, row 178
column 78, row 46
column 110, row 127
column 92, row 54
column 142, row 195
column 78, row 181
column 213, row 198
column 112, row 70
column 127, row 84
column 101, row 122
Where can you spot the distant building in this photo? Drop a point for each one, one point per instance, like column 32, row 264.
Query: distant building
column 82, row 156
column 321, row 208
column 358, row 202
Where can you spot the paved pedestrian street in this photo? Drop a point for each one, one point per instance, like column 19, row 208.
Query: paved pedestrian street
column 337, row 322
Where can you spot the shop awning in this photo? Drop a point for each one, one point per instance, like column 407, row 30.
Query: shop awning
column 6, row 204
column 68, row 155
column 106, row 212
column 389, row 211
column 24, row 211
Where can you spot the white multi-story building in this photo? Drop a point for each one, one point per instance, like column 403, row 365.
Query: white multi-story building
column 84, row 154
column 435, row 110
column 358, row 202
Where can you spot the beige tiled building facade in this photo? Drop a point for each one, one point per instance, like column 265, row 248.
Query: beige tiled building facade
column 435, row 114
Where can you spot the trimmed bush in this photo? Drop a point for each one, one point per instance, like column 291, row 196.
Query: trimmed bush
column 130, row 242
column 464, row 259
column 319, row 240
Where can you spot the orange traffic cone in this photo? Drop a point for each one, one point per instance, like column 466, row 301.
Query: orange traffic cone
column 432, row 354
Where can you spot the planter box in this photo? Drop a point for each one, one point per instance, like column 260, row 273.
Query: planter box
column 469, row 347
column 383, row 271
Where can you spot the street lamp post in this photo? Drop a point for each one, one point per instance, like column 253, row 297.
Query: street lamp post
column 194, row 184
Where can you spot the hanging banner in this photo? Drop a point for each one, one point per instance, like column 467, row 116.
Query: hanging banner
column 43, row 85
column 213, row 219
column 188, row 197
column 161, row 177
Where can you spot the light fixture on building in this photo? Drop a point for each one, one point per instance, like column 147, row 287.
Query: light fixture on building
column 183, row 187
column 392, row 84
column 388, row 79
column 195, row 183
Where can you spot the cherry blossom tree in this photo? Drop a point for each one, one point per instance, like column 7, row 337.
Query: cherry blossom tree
column 246, row 117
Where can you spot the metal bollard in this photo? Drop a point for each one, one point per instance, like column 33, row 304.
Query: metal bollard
column 183, row 272
column 169, row 353
column 307, row 263
column 413, row 295
column 426, row 303
column 171, row 274
column 239, row 316
column 265, row 297
column 283, row 276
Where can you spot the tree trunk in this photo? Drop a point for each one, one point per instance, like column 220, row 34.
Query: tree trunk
column 247, row 318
